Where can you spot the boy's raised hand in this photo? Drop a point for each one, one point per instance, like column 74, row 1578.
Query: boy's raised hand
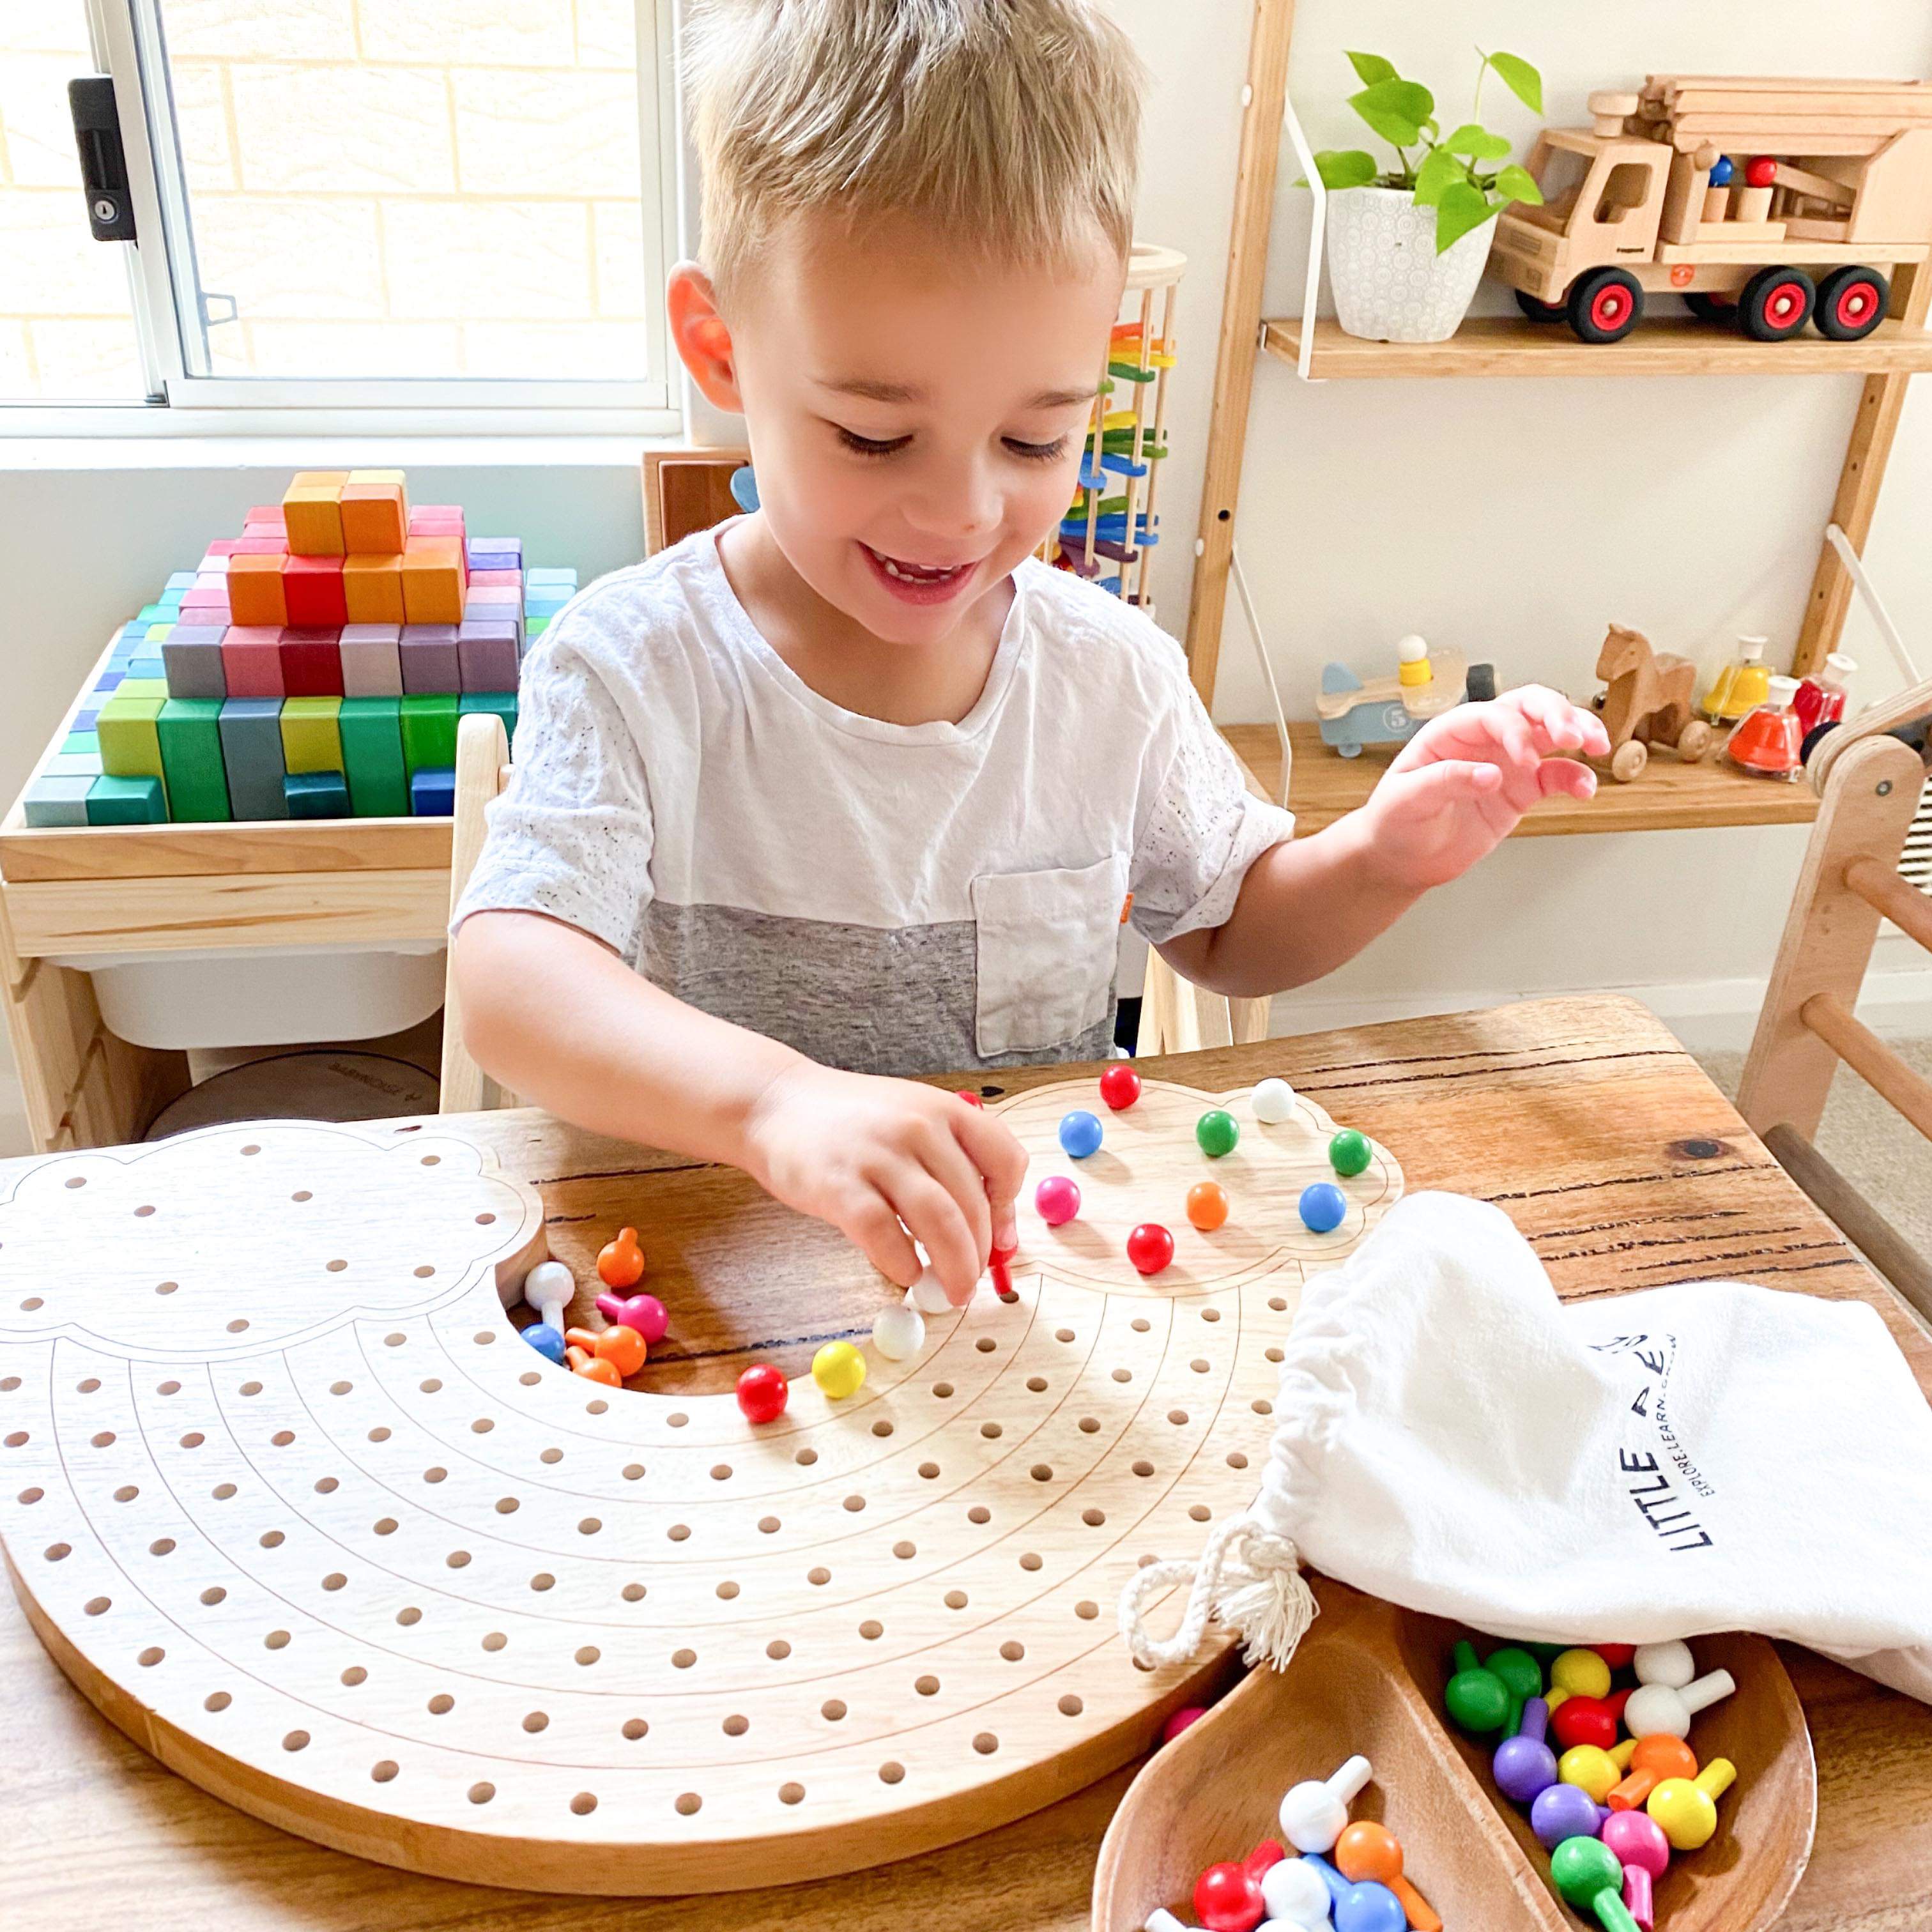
column 885, row 1161
column 1455, row 790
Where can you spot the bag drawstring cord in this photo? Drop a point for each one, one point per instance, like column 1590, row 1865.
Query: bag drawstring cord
column 1246, row 1577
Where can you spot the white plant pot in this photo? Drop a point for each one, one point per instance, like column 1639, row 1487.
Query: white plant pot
column 1389, row 282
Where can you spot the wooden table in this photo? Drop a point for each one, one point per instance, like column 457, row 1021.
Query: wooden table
column 1583, row 1118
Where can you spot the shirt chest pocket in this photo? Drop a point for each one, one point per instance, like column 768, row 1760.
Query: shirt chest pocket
column 1047, row 942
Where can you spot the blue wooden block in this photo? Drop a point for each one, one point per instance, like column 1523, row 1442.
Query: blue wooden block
column 148, row 667
column 432, row 791
column 251, row 748
column 194, row 666
column 181, row 580
column 57, row 801
column 72, row 765
column 316, row 795
column 550, row 574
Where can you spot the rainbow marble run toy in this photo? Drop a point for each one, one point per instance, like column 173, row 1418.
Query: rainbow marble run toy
column 1391, row 710
column 315, row 666
column 1110, row 529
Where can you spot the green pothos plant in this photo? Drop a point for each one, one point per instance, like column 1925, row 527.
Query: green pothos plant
column 1452, row 173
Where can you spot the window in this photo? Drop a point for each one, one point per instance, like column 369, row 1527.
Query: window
column 402, row 204
column 67, row 330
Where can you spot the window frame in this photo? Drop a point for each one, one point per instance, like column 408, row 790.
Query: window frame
column 165, row 294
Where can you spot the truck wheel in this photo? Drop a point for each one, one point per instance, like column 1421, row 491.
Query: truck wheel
column 1776, row 305
column 1605, row 305
column 1712, row 308
column 1852, row 303
column 1539, row 311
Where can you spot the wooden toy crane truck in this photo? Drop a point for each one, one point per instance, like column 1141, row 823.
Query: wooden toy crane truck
column 1777, row 202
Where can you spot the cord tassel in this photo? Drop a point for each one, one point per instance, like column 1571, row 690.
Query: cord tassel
column 1246, row 1578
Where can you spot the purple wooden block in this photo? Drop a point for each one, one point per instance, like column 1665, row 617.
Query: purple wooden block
column 487, row 650
column 429, row 662
column 194, row 668
column 371, row 660
column 197, row 634
column 478, row 547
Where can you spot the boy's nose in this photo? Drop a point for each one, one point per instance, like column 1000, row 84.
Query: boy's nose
column 962, row 505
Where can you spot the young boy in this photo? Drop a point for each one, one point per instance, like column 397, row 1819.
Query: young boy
column 854, row 788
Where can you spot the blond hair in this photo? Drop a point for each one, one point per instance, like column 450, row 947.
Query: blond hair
column 1008, row 126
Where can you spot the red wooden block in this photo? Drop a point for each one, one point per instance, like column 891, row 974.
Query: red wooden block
column 251, row 662
column 265, row 513
column 222, row 546
column 502, row 579
column 312, row 662
column 314, row 588
column 259, row 547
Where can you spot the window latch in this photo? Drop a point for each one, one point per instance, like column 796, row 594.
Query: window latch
column 103, row 165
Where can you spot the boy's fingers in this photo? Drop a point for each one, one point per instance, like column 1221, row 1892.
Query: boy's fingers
column 1436, row 787
column 995, row 1151
column 934, row 1217
column 1566, row 775
column 952, row 1167
column 872, row 1227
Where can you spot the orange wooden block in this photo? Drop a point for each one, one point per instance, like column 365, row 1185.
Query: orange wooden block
column 256, row 595
column 375, row 518
column 312, row 513
column 372, row 588
column 433, row 581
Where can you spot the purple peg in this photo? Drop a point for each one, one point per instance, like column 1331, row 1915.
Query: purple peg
column 1561, row 1811
column 1524, row 1764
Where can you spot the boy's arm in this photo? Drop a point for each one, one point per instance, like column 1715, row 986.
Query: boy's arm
column 1453, row 792
column 557, row 1017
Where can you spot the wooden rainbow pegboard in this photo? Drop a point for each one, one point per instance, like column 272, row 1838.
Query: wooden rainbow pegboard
column 282, row 1492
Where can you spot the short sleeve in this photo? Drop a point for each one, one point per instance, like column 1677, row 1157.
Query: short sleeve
column 570, row 836
column 1198, row 827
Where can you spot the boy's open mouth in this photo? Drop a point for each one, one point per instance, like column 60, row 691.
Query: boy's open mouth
column 916, row 583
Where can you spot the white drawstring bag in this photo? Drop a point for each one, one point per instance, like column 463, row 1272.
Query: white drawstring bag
column 1451, row 1437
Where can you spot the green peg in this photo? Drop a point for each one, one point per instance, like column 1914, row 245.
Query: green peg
column 1546, row 1653
column 1588, row 1874
column 1522, row 1676
column 1349, row 1153
column 1478, row 1699
column 1216, row 1131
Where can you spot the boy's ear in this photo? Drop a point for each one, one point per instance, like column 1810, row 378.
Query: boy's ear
column 702, row 337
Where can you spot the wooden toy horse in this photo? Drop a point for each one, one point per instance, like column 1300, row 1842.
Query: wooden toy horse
column 1648, row 701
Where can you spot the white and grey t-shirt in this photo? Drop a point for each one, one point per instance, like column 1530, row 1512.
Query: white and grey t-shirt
column 891, row 898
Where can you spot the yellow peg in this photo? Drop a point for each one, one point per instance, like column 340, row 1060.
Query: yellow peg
column 1581, row 1673
column 1686, row 1808
column 1592, row 1770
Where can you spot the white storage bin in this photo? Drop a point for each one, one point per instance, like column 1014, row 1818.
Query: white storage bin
column 265, row 996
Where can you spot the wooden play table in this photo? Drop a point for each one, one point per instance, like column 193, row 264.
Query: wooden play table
column 1583, row 1118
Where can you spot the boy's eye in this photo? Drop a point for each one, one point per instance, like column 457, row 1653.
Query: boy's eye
column 1037, row 452
column 872, row 445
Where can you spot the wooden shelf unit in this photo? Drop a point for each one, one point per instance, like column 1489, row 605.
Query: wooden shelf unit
column 1666, row 797
column 1662, row 345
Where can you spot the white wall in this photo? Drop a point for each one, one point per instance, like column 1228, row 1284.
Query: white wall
column 1512, row 518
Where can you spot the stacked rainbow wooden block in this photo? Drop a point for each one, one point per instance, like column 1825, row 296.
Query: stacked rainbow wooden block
column 315, row 666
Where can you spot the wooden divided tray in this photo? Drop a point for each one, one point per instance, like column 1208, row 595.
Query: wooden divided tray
column 1368, row 1677
column 285, row 1495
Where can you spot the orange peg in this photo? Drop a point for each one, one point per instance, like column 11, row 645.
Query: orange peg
column 595, row 1368
column 1367, row 1850
column 1207, row 1205
column 577, row 1357
column 1652, row 1759
column 620, row 1263
column 585, row 1339
column 623, row 1349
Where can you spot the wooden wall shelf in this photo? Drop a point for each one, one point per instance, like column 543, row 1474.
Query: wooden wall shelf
column 1668, row 796
column 1660, row 345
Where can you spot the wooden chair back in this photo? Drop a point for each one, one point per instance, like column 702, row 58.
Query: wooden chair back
column 482, row 769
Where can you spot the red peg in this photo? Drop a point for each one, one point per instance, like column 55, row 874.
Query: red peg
column 1000, row 1266
column 1616, row 1655
column 1762, row 171
column 1149, row 1247
column 1583, row 1720
column 1227, row 1897
column 971, row 1099
column 763, row 1392
column 1120, row 1086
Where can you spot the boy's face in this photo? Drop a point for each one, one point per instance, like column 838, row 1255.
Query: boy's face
column 915, row 414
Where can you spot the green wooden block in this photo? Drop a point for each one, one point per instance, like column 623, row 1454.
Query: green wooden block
column 372, row 757
column 81, row 741
column 72, row 765
column 312, row 737
column 154, row 613
column 142, row 687
column 316, row 795
column 503, row 703
column 158, row 634
column 190, row 731
column 429, row 729
column 127, row 801
column 130, row 747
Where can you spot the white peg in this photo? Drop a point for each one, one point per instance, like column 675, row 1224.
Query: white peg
column 1669, row 1663
column 1412, row 649
column 1654, row 1707
column 899, row 1331
column 927, row 1295
column 548, row 1288
column 1273, row 1101
column 1161, row 1920
column 1294, row 1890
column 1314, row 1812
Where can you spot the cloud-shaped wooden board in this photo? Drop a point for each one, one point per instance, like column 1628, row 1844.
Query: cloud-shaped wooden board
column 369, row 1568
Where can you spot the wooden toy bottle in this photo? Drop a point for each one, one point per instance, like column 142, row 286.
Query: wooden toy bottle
column 1741, row 686
column 1821, row 696
column 1767, row 742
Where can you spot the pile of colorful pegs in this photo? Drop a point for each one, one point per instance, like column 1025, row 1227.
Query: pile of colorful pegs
column 1626, row 1790
column 637, row 1322
column 1348, row 1875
